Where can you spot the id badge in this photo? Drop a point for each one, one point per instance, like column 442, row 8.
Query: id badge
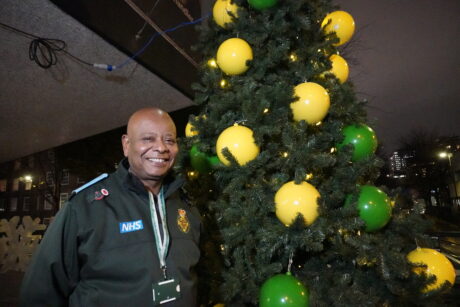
column 166, row 291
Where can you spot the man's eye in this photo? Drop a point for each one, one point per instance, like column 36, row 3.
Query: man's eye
column 147, row 139
column 170, row 141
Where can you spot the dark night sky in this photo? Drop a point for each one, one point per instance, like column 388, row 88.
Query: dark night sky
column 405, row 60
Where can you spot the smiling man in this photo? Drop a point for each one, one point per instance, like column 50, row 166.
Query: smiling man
column 128, row 238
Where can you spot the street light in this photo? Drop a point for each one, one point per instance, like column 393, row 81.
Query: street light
column 448, row 155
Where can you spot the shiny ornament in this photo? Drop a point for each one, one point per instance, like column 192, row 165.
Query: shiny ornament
column 283, row 290
column 436, row 264
column 262, row 4
column 240, row 142
column 312, row 104
column 232, row 56
column 339, row 67
column 374, row 207
column 341, row 23
column 199, row 160
column 190, row 130
column 214, row 161
column 292, row 199
column 363, row 139
column 221, row 10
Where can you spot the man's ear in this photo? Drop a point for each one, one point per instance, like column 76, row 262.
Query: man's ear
column 125, row 144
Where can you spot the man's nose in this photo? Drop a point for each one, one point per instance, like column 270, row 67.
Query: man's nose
column 161, row 146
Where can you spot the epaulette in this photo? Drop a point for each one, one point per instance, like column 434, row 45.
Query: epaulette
column 90, row 183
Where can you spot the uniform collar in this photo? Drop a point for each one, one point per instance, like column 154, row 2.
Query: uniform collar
column 170, row 184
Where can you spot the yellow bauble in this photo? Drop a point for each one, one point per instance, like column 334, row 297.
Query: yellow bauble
column 240, row 142
column 436, row 264
column 232, row 56
column 312, row 103
column 189, row 130
column 221, row 10
column 341, row 23
column 292, row 199
column 339, row 67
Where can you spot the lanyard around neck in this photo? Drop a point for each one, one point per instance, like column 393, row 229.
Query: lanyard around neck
column 162, row 241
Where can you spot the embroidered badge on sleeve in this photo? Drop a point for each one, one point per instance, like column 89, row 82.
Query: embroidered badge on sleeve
column 182, row 220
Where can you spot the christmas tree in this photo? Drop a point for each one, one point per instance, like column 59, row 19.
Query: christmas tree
column 282, row 165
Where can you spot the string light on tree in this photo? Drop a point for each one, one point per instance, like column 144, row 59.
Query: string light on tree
column 212, row 63
column 223, row 83
column 341, row 23
column 233, row 55
column 293, row 57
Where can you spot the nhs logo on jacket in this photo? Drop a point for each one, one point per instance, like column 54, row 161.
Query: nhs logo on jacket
column 131, row 226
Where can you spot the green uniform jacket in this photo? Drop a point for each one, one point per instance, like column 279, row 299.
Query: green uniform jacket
column 85, row 259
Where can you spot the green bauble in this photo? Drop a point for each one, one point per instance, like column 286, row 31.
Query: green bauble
column 199, row 160
column 262, row 4
column 214, row 161
column 283, row 290
column 363, row 139
column 374, row 207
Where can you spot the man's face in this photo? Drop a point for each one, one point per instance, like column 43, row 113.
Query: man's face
column 150, row 146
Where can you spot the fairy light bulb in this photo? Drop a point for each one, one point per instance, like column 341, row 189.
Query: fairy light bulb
column 223, row 83
column 212, row 63
column 293, row 57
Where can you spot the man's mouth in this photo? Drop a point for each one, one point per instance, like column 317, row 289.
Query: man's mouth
column 158, row 160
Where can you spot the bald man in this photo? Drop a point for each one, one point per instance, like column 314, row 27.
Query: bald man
column 124, row 239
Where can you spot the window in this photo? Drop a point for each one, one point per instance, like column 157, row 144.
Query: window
column 2, row 205
column 26, row 203
column 80, row 180
column 51, row 156
column 13, row 204
column 31, row 162
column 38, row 203
column 28, row 182
column 17, row 165
column 65, row 177
column 2, row 185
column 63, row 199
column 49, row 178
column 48, row 205
column 16, row 184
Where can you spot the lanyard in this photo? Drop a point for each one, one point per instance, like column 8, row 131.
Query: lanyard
column 162, row 242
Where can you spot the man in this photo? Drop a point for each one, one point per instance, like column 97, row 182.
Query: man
column 128, row 239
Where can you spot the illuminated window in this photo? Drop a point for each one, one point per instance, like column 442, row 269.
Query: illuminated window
column 3, row 185
column 16, row 184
